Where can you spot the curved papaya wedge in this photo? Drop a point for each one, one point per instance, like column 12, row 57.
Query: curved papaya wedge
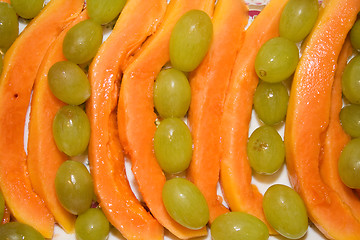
column 209, row 83
column 136, row 114
column 235, row 170
column 336, row 139
column 44, row 158
column 21, row 64
column 308, row 118
column 138, row 20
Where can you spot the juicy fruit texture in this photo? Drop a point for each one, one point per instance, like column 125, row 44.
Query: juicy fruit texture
column 238, row 225
column 351, row 80
column 185, row 203
column 69, row 83
column 92, row 225
column 82, row 41
column 270, row 102
column 349, row 164
column 276, row 60
column 9, row 25
column 1, row 63
column 27, row 8
column 16, row 230
column 266, row 150
column 2, row 206
column 298, row 18
column 355, row 35
column 104, row 11
column 172, row 93
column 190, row 40
column 71, row 130
column 173, row 145
column 74, row 187
column 350, row 119
column 285, row 211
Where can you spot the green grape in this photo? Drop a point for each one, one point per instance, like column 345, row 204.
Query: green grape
column 298, row 18
column 351, row 80
column 266, row 150
column 17, row 231
column 190, row 40
column 71, row 130
column 82, row 41
column 276, row 60
column 74, row 187
column 185, row 203
column 238, row 225
column 355, row 35
column 350, row 120
column 27, row 8
column 9, row 25
column 349, row 164
column 2, row 206
column 173, row 145
column 104, row 11
column 69, row 83
column 270, row 102
column 172, row 93
column 285, row 211
column 92, row 225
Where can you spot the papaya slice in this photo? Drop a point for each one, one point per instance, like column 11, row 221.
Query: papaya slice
column 308, row 119
column 138, row 20
column 44, row 158
column 336, row 139
column 209, row 83
column 21, row 64
column 235, row 170
column 136, row 114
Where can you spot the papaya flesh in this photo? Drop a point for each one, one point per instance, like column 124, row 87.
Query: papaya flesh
column 138, row 20
column 308, row 118
column 21, row 64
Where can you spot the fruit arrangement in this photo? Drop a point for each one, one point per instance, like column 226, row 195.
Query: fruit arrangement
column 166, row 127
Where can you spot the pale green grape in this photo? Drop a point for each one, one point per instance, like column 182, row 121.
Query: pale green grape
column 185, row 203
column 69, row 83
column 71, row 130
column 349, row 164
column 270, row 102
column 355, row 35
column 92, row 225
column 74, row 187
column 2, row 206
column 285, row 211
column 276, row 60
column 298, row 18
column 266, row 150
column 104, row 11
column 27, row 8
column 82, row 41
column 9, row 25
column 18, row 231
column 350, row 119
column 351, row 80
column 190, row 40
column 238, row 225
column 173, row 145
column 172, row 93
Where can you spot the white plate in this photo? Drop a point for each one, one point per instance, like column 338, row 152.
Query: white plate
column 262, row 182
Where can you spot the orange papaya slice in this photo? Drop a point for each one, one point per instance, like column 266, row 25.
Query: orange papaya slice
column 138, row 20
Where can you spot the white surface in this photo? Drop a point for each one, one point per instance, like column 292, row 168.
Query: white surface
column 262, row 182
